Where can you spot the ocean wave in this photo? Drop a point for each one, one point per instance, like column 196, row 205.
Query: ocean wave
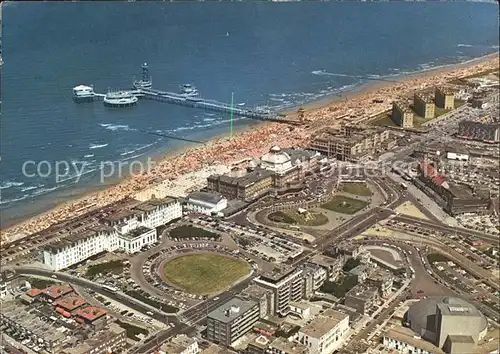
column 38, row 192
column 461, row 45
column 89, row 155
column 139, row 147
column 97, row 146
column 29, row 188
column 115, row 127
column 10, row 184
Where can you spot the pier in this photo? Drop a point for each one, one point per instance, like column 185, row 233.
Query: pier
column 143, row 90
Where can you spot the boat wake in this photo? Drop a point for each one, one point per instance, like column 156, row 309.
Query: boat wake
column 97, row 146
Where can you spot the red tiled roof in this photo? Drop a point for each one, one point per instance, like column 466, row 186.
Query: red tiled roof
column 71, row 302
column 91, row 313
column 56, row 291
column 34, row 292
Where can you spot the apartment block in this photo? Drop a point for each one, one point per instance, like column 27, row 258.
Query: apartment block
column 325, row 333
column 232, row 320
column 402, row 115
column 287, row 285
column 444, row 98
column 424, row 106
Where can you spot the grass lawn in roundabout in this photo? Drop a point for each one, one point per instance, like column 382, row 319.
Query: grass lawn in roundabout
column 293, row 217
column 355, row 188
column 344, row 205
column 204, row 273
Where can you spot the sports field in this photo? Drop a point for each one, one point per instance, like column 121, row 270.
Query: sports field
column 204, row 273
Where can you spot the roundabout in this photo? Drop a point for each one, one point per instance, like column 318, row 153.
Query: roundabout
column 203, row 273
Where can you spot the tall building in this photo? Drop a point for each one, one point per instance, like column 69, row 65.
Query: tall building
column 325, row 333
column 424, row 105
column 287, row 284
column 444, row 98
column 402, row 115
column 232, row 320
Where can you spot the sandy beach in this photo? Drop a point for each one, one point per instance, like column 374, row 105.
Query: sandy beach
column 256, row 140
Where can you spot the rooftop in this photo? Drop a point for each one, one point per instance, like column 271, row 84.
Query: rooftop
column 362, row 292
column 91, row 313
column 426, row 97
column 34, row 292
column 138, row 231
column 277, row 274
column 288, row 347
column 56, row 291
column 207, row 197
column 406, row 335
column 71, row 302
column 324, row 323
column 231, row 310
column 153, row 204
column 245, row 179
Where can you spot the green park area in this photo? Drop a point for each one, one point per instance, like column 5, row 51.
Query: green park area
column 114, row 267
column 360, row 189
column 204, row 273
column 189, row 231
column 293, row 217
column 340, row 287
column 344, row 205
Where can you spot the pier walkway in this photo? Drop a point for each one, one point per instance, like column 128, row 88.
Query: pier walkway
column 204, row 104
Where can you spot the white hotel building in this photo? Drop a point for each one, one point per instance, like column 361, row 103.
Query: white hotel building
column 325, row 333
column 127, row 230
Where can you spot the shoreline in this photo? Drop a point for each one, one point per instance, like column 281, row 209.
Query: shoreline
column 251, row 140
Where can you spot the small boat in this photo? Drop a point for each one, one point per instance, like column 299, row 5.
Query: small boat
column 188, row 90
column 241, row 104
column 227, row 34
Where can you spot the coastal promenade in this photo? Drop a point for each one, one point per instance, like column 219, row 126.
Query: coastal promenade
column 252, row 143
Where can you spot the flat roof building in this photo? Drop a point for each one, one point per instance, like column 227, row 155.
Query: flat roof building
column 325, row 333
column 232, row 320
column 205, row 203
column 286, row 283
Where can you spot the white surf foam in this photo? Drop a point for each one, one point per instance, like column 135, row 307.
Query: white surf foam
column 97, row 146
column 10, row 184
column 115, row 127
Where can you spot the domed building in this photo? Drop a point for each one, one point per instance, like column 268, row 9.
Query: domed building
column 276, row 160
column 447, row 322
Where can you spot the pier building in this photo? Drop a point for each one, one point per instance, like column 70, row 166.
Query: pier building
column 120, row 99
